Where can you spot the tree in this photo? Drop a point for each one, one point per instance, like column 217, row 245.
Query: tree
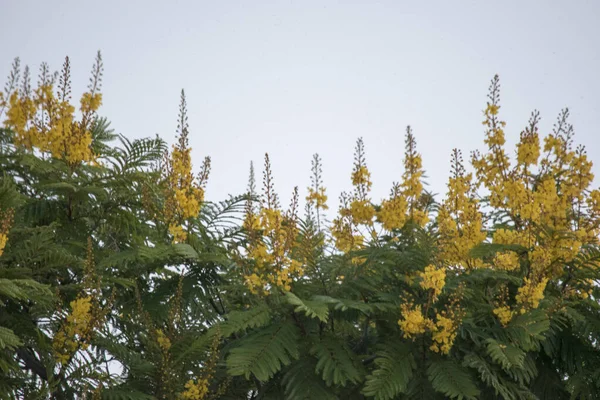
column 118, row 280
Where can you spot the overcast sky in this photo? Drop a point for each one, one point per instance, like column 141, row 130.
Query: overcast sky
column 292, row 78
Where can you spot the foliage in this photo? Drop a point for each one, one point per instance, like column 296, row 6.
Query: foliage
column 118, row 280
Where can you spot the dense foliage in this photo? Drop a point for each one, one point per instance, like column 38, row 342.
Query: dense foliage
column 119, row 281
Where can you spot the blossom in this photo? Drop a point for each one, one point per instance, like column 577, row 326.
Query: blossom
column 504, row 314
column 362, row 212
column 413, row 322
column 163, row 341
column 531, row 293
column 444, row 333
column 507, row 260
column 318, row 198
column 195, row 390
column 433, row 278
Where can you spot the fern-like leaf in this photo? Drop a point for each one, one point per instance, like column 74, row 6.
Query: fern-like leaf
column 263, row 353
column 301, row 382
column 312, row 308
column 239, row 321
column 394, row 368
column 452, row 380
column 336, row 363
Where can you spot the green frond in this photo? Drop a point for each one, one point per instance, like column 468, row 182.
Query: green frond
column 240, row 321
column 506, row 355
column 488, row 374
column 336, row 363
column 312, row 308
column 394, row 367
column 301, row 382
column 8, row 339
column 528, row 329
column 265, row 352
column 452, row 380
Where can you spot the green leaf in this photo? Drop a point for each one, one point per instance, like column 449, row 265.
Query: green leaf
column 263, row 353
column 394, row 368
column 312, row 309
column 239, row 321
column 506, row 355
column 452, row 380
column 336, row 363
column 301, row 382
column 185, row 250
column 527, row 329
column 488, row 374
column 8, row 339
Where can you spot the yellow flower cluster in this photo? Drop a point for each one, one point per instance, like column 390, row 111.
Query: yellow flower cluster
column 528, row 149
column 403, row 202
column 504, row 314
column 509, row 236
column 86, row 315
column 345, row 239
column 5, row 222
column 413, row 322
column 433, row 278
column 361, row 176
column 444, row 333
column 3, row 240
column 531, row 293
column 272, row 240
column 362, row 212
column 551, row 212
column 444, row 329
column 460, row 223
column 356, row 209
column 583, row 291
column 393, row 212
column 178, row 233
column 163, row 341
column 184, row 193
column 195, row 390
column 47, row 122
column 412, row 187
column 75, row 332
column 317, row 198
column 506, row 260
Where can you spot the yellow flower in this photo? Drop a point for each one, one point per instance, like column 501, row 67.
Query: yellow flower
column 492, row 109
column 3, row 240
column 413, row 322
column 504, row 314
column 528, row 150
column 74, row 332
column 530, row 294
column 319, row 199
column 444, row 333
column 362, row 212
column 345, row 239
column 508, row 261
column 254, row 283
column 393, row 212
column 506, row 236
column 361, row 176
column 179, row 235
column 163, row 341
column 195, row 390
column 433, row 278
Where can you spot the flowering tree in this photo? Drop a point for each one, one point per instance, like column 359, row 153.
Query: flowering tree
column 118, row 279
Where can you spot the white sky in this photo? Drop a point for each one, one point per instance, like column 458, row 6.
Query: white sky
column 297, row 77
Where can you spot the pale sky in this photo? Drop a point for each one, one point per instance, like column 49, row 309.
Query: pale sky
column 292, row 78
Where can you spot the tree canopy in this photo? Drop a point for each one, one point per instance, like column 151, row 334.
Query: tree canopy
column 119, row 280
